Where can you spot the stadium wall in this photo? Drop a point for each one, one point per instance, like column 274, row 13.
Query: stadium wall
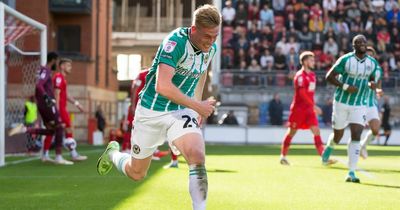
column 274, row 135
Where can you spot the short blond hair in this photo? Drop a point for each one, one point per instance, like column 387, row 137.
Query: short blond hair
column 206, row 16
column 304, row 55
column 64, row 60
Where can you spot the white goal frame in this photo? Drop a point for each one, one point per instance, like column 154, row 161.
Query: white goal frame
column 3, row 80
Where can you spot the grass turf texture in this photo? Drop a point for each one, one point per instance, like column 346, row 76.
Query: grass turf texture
column 240, row 177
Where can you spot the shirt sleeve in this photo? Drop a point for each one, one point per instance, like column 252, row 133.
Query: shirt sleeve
column 171, row 51
column 43, row 77
column 339, row 66
column 57, row 81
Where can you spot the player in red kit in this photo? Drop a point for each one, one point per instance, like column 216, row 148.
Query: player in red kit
column 62, row 97
column 303, row 111
column 137, row 86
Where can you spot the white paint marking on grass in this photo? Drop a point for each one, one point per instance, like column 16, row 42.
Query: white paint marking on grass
column 37, row 158
column 366, row 173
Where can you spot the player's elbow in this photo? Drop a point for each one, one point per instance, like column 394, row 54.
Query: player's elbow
column 162, row 88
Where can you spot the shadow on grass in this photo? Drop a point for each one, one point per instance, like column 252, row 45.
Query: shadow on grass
column 381, row 185
column 303, row 150
column 34, row 185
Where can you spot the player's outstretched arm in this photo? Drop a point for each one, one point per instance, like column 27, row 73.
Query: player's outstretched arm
column 166, row 88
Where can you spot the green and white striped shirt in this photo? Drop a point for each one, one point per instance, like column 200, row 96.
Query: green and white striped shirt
column 355, row 72
column 371, row 94
column 178, row 52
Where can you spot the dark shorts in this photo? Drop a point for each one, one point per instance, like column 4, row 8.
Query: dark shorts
column 49, row 115
column 386, row 126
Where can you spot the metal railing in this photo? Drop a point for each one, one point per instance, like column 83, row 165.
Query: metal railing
column 136, row 19
column 237, row 79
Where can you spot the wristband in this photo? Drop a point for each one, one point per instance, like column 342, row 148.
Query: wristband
column 345, row 86
column 76, row 103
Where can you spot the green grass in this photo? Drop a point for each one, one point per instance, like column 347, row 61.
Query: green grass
column 240, row 177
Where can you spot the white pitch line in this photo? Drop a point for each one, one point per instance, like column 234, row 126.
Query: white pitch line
column 37, row 158
column 366, row 173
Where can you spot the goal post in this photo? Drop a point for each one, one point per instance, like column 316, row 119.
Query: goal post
column 14, row 26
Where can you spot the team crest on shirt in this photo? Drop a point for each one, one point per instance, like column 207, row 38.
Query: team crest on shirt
column 136, row 149
column 170, row 46
column 58, row 80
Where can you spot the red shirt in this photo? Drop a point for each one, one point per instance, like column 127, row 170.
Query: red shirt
column 306, row 82
column 61, row 84
column 139, row 81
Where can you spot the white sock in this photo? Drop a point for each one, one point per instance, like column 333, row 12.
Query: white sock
column 198, row 186
column 367, row 139
column 120, row 160
column 353, row 152
column 59, row 157
column 175, row 162
column 330, row 143
column 283, row 157
column 46, row 153
column 74, row 153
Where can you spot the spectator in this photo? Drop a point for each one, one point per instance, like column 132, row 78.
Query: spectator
column 283, row 45
column 303, row 21
column 279, row 6
column 265, row 58
column 353, row 12
column 331, row 47
column 316, row 11
column 292, row 60
column 101, row 121
column 253, row 14
column 341, row 27
column 327, row 112
column 329, row 23
column 228, row 13
column 254, row 67
column 366, row 9
column 291, row 22
column 344, row 44
column 390, row 4
column 329, row 6
column 241, row 15
column 292, row 44
column 305, row 38
column 267, row 34
column 316, row 24
column 275, row 110
column 229, row 119
column 317, row 40
column 267, row 16
column 393, row 14
column 280, row 60
column 253, row 35
column 395, row 38
column 383, row 39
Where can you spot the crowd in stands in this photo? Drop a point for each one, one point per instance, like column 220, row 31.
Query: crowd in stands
column 260, row 36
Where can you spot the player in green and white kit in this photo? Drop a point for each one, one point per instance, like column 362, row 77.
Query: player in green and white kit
column 170, row 105
column 352, row 74
column 372, row 115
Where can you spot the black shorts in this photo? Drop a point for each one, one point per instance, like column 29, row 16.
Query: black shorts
column 49, row 115
column 386, row 126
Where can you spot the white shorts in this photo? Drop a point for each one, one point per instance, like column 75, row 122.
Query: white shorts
column 372, row 113
column 344, row 114
column 153, row 128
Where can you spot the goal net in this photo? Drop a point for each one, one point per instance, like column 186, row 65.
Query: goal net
column 23, row 48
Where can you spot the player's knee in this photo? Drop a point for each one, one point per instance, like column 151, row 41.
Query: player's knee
column 375, row 131
column 196, row 156
column 136, row 175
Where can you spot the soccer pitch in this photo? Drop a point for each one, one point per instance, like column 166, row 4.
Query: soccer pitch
column 240, row 177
